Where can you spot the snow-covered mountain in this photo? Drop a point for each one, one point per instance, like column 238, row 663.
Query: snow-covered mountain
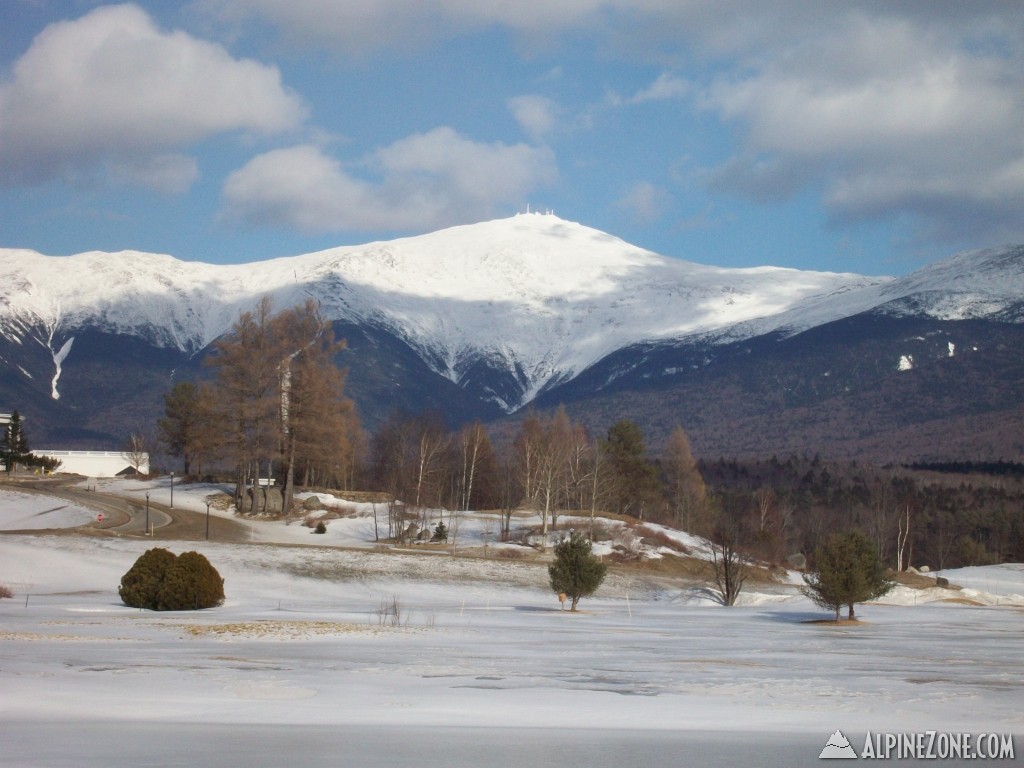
column 504, row 310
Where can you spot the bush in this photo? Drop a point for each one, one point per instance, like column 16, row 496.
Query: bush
column 160, row 581
column 190, row 584
column 6, row 591
column 141, row 585
column 321, row 527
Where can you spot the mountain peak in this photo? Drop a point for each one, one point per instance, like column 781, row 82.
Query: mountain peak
column 532, row 294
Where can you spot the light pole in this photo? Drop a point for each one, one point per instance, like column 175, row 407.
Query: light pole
column 207, row 521
column 147, row 514
column 172, row 490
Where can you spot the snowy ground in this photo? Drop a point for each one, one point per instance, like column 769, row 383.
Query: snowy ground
column 482, row 668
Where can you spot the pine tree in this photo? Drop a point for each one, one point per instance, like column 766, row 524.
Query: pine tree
column 15, row 446
column 440, row 532
column 576, row 572
column 633, row 480
column 849, row 572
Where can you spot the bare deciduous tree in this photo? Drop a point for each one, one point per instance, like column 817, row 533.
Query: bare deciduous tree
column 687, row 494
column 136, row 451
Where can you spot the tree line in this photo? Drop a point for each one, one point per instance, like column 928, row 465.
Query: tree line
column 274, row 407
column 551, row 465
column 912, row 517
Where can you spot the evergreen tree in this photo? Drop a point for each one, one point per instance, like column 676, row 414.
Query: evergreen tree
column 849, row 572
column 15, row 446
column 440, row 532
column 189, row 427
column 576, row 572
column 633, row 480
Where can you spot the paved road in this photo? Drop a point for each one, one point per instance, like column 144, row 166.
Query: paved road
column 129, row 516
column 120, row 515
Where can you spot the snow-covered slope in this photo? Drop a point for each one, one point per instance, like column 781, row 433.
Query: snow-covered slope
column 533, row 294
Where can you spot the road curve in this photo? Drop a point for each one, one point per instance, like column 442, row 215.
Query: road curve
column 127, row 516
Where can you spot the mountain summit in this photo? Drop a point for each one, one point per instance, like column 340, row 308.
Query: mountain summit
column 503, row 311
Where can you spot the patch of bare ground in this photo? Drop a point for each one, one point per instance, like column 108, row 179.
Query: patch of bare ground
column 920, row 581
column 276, row 630
column 681, row 567
column 961, row 601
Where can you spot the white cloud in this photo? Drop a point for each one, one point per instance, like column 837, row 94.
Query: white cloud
column 112, row 90
column 890, row 118
column 667, row 86
column 424, row 181
column 536, row 115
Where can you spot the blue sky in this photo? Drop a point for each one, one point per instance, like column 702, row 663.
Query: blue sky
column 851, row 135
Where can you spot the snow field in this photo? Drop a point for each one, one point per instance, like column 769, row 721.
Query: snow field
column 480, row 647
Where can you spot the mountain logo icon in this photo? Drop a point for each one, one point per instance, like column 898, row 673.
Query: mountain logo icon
column 838, row 748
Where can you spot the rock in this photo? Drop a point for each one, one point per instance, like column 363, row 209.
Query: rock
column 797, row 561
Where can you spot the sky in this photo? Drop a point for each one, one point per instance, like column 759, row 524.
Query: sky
column 867, row 136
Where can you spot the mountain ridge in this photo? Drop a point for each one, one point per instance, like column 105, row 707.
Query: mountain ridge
column 506, row 311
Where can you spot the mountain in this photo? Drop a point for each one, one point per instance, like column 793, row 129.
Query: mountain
column 481, row 320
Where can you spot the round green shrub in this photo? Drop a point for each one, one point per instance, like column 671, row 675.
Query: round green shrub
column 190, row 584
column 160, row 581
column 141, row 584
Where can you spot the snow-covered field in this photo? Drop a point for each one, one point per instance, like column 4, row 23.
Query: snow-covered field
column 481, row 668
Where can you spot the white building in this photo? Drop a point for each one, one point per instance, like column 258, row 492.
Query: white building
column 95, row 463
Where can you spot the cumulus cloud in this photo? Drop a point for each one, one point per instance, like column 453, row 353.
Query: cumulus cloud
column 427, row 180
column 900, row 110
column 889, row 119
column 112, row 92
